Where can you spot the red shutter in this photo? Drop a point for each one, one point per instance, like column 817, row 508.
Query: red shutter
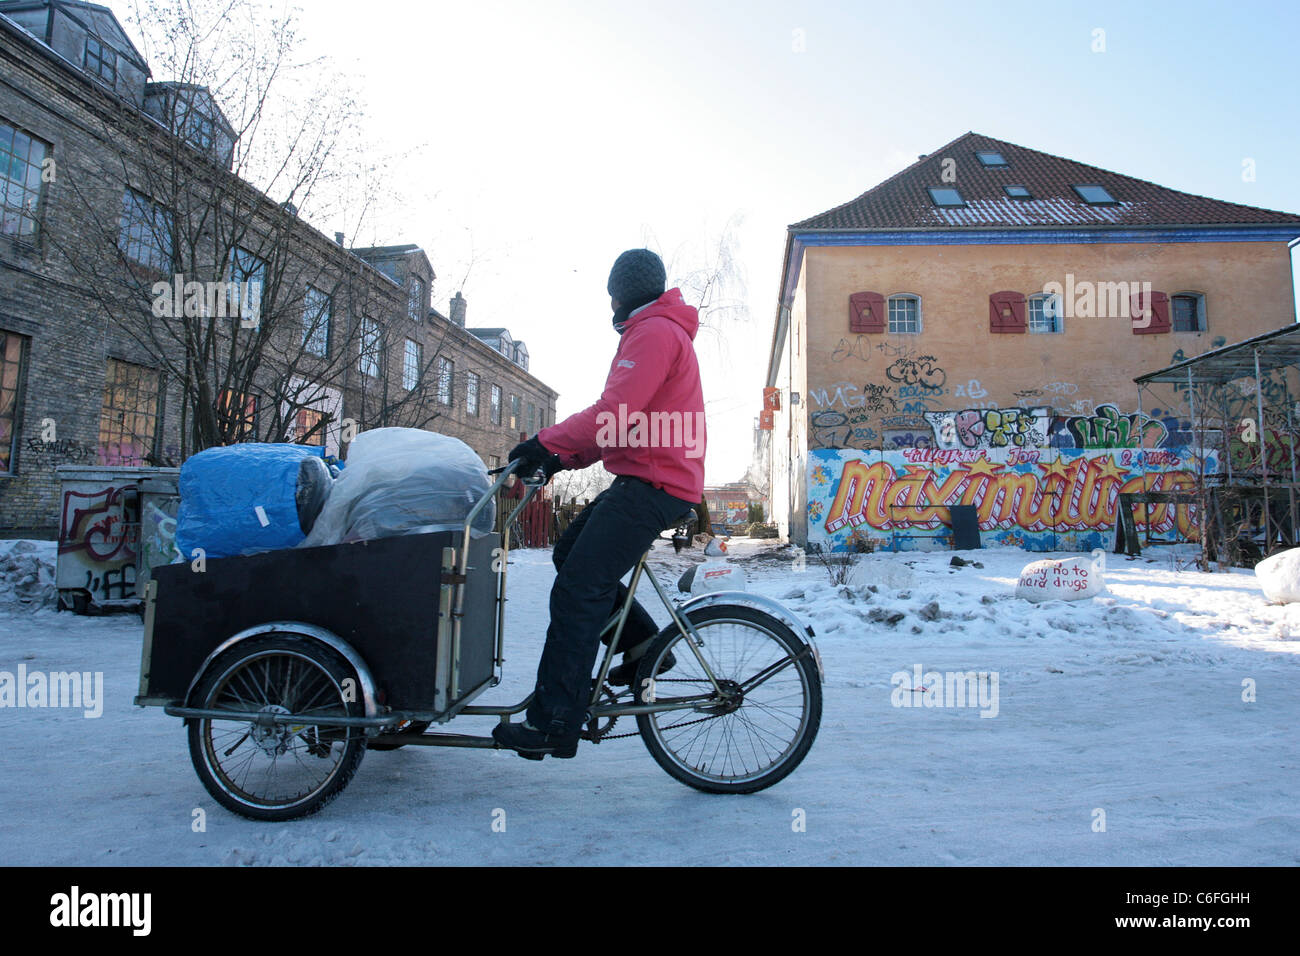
column 1007, row 312
column 772, row 399
column 1159, row 320
column 765, row 420
column 867, row 312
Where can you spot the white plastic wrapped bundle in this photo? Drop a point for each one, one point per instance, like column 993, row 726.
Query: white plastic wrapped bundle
column 403, row 481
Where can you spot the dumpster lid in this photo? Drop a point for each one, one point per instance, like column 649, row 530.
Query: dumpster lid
column 112, row 472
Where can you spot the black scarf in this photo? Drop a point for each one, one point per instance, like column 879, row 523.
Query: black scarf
column 625, row 309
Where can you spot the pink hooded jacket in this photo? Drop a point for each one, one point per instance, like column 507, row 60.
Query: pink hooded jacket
column 649, row 421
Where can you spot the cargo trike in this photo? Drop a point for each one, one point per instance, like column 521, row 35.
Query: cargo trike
column 288, row 665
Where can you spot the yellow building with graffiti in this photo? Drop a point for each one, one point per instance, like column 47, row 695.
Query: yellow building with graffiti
column 968, row 332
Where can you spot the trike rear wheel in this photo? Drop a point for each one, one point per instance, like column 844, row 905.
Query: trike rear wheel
column 764, row 725
column 276, row 771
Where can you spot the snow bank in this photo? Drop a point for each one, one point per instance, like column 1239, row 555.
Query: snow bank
column 27, row 574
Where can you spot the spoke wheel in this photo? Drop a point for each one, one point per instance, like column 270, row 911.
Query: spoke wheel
column 762, row 725
column 277, row 771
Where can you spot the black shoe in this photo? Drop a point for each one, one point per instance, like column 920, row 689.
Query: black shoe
column 625, row 672
column 534, row 744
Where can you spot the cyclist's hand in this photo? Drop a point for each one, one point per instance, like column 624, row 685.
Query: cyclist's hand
column 533, row 457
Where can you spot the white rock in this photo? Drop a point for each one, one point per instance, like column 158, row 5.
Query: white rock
column 1067, row 579
column 1279, row 576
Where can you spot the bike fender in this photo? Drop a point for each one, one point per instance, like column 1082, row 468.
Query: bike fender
column 761, row 603
column 364, row 678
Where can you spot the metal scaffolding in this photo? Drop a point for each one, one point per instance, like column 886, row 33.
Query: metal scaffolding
column 1239, row 402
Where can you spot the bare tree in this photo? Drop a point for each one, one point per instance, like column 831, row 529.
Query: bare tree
column 252, row 315
column 584, row 484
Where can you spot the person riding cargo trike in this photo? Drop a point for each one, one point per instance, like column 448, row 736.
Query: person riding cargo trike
column 288, row 665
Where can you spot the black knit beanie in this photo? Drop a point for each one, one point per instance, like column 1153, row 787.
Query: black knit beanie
column 638, row 275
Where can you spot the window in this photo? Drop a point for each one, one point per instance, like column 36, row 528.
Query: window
column 412, row 359
column 515, row 417
column 197, row 127
column 309, row 427
column 22, row 164
column 495, row 410
column 12, row 347
column 237, row 416
column 414, row 297
column 989, row 157
column 1189, row 312
column 100, row 60
column 446, row 378
column 129, row 416
column 1095, row 195
column 532, row 418
column 946, row 197
column 316, row 309
column 368, row 363
column 248, row 272
column 904, row 313
column 146, row 235
column 1017, row 192
column 471, row 393
column 1045, row 313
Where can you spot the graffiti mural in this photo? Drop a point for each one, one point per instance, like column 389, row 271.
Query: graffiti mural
column 990, row 427
column 1039, row 499
column 1105, row 426
column 99, row 533
column 1280, row 453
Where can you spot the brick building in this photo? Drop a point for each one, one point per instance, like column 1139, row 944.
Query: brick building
column 968, row 331
column 102, row 360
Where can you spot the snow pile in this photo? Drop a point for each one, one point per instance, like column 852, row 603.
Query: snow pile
column 1279, row 577
column 27, row 575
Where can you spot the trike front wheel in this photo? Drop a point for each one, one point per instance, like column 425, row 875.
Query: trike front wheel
column 276, row 770
column 762, row 725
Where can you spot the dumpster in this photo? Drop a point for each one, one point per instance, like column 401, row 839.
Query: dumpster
column 101, row 561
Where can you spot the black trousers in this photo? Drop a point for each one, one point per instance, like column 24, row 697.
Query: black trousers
column 598, row 548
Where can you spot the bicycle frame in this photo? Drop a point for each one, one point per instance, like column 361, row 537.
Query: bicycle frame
column 616, row 622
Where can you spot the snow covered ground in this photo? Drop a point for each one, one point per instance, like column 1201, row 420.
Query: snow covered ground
column 1131, row 704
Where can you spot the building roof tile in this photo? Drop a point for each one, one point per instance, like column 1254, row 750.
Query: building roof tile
column 903, row 200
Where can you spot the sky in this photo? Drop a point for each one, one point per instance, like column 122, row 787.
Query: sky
column 531, row 143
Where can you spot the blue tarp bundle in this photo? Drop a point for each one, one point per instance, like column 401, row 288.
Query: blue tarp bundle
column 240, row 499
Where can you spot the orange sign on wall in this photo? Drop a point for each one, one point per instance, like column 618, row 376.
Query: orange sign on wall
column 765, row 420
column 772, row 399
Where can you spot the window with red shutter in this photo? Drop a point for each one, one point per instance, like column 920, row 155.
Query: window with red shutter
column 1007, row 312
column 866, row 312
column 1157, row 320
